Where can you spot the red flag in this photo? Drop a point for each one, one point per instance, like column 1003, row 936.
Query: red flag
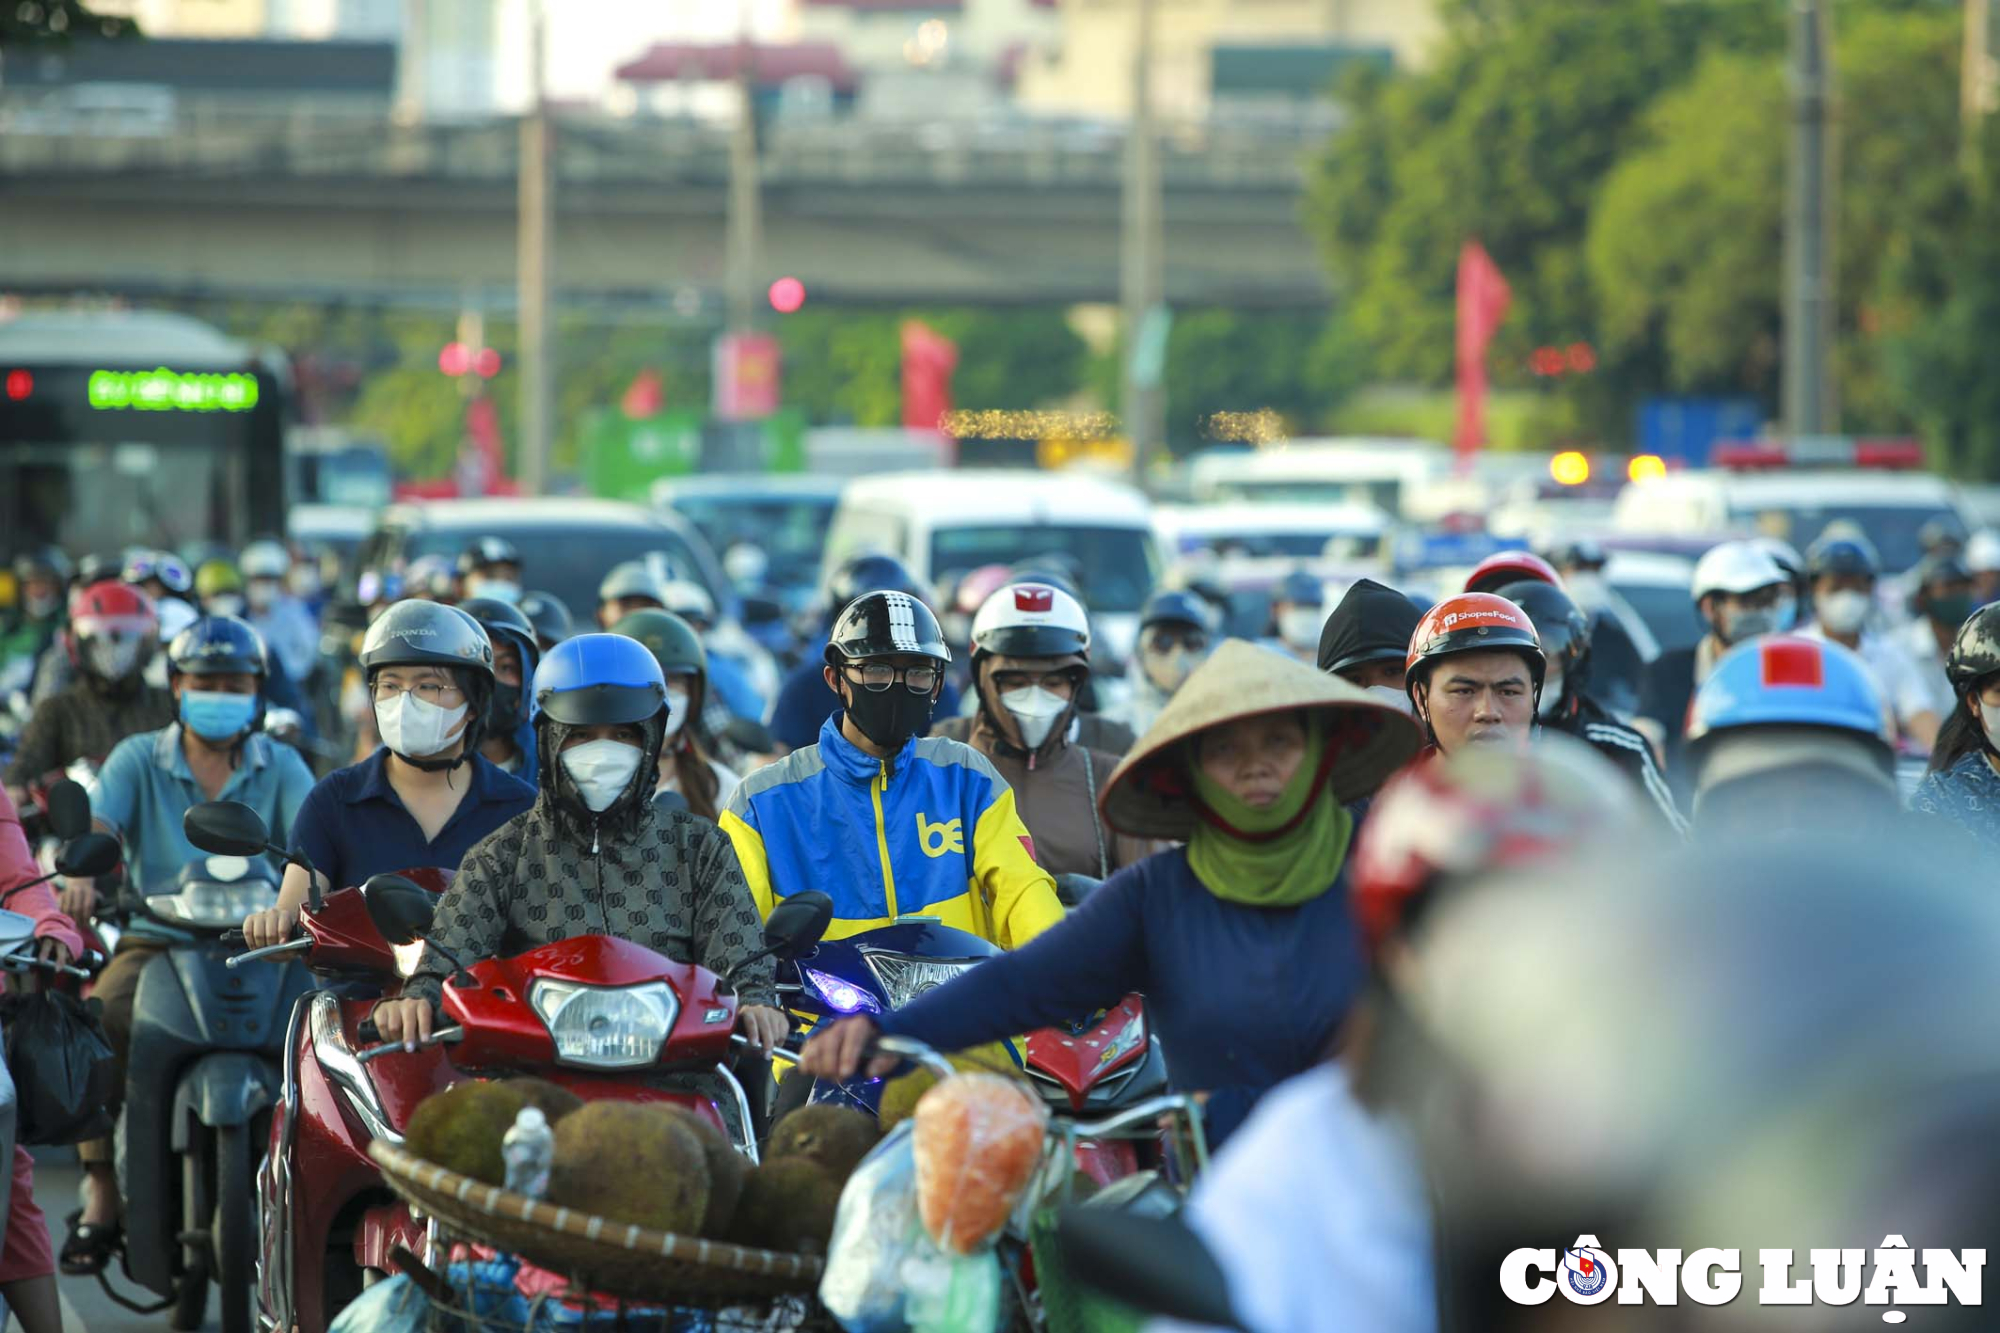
column 929, row 358
column 1482, row 304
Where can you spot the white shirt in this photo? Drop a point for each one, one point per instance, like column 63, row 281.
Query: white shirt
column 1903, row 687
column 1921, row 643
column 1318, row 1215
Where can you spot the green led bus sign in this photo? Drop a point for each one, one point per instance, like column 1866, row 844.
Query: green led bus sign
column 165, row 390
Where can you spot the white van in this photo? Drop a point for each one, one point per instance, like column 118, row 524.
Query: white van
column 944, row 525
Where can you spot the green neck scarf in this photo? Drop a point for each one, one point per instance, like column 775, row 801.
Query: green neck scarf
column 1283, row 870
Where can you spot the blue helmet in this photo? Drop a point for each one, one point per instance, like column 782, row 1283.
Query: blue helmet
column 599, row 680
column 1843, row 555
column 1783, row 680
column 1172, row 606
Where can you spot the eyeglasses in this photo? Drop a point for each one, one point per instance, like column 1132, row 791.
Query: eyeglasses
column 430, row 691
column 1166, row 640
column 879, row 676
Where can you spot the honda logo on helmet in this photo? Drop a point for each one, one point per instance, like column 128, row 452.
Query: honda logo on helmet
column 1032, row 597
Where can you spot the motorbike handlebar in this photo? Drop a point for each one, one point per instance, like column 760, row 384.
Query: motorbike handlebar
column 438, row 1038
column 366, row 1031
column 289, row 946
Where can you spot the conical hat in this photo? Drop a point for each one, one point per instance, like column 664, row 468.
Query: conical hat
column 1149, row 795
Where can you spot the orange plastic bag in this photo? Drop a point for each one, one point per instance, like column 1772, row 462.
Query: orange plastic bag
column 978, row 1145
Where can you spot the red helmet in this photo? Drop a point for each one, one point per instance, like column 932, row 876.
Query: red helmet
column 113, row 629
column 1498, row 570
column 1476, row 812
column 1473, row 622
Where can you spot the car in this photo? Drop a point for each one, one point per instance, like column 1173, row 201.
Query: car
column 1655, row 587
column 341, row 528
column 1387, row 473
column 1349, row 529
column 783, row 515
column 944, row 525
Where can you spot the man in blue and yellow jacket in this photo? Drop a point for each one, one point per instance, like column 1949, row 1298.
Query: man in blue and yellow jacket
column 887, row 821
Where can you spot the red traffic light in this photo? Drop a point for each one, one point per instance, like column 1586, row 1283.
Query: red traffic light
column 19, row 384
column 455, row 359
column 487, row 363
column 787, row 295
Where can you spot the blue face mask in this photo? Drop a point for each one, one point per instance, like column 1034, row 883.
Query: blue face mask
column 214, row 716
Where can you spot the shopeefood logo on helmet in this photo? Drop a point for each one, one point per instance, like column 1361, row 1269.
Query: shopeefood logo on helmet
column 1488, row 615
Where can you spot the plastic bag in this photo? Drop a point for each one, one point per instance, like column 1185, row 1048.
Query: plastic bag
column 978, row 1144
column 63, row 1068
column 952, row 1293
column 875, row 1229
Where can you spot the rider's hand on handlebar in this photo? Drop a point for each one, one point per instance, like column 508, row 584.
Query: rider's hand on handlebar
column 53, row 950
column 263, row 929
column 78, row 900
column 406, row 1021
column 836, row 1053
column 764, row 1026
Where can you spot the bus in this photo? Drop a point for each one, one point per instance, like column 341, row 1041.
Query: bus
column 137, row 428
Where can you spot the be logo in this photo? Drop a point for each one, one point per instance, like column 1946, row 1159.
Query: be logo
column 938, row 839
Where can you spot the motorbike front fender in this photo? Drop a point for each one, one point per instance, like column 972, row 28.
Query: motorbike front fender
column 222, row 1088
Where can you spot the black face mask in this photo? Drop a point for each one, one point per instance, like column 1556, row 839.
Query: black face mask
column 504, row 713
column 890, row 717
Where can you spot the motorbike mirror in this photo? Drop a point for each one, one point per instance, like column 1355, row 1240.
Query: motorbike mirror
column 69, row 809
column 226, row 828
column 1155, row 1265
column 400, row 910
column 89, row 856
column 797, row 923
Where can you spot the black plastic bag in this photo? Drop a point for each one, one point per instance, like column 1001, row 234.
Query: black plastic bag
column 64, row 1072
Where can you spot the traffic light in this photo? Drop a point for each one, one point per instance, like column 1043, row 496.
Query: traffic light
column 787, row 295
column 458, row 358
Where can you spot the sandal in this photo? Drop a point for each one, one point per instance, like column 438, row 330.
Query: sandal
column 88, row 1248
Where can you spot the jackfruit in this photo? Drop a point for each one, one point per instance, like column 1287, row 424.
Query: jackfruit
column 788, row 1204
column 461, row 1128
column 631, row 1162
column 835, row 1137
column 726, row 1171
column 553, row 1100
column 901, row 1095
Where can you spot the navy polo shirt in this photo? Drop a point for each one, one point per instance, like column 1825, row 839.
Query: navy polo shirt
column 353, row 824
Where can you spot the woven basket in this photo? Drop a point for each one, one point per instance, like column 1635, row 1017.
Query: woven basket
column 616, row 1258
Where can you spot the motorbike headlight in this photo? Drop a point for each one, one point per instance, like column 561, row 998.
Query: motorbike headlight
column 605, row 1027
column 844, row 996
column 218, row 902
column 904, row 978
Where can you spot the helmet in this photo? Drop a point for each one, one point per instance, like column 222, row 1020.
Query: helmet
column 1031, row 620
column 1975, row 653
column 1373, row 623
column 631, row 578
column 502, row 620
column 264, row 560
column 1785, row 680
column 1472, row 622
column 1175, row 607
column 599, row 680
column 546, row 612
column 373, row 585
column 885, row 624
column 870, row 573
column 414, row 632
column 1476, row 812
column 218, row 646
column 1736, row 568
column 1940, row 533
column 1058, row 569
column 430, row 577
column 95, row 568
column 1982, row 552
column 216, row 577
column 1783, row 554
column 688, row 600
column 671, row 640
column 1843, row 555
column 1561, row 627
column 113, row 629
column 1504, row 567
column 486, row 551
column 1300, row 589
column 46, row 562
column 169, row 569
column 1935, row 569
column 1582, row 553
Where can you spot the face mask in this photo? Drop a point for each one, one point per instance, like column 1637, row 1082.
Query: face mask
column 1843, row 612
column 1395, row 698
column 1299, row 626
column 505, row 712
column 41, row 608
column 112, row 658
column 1745, row 625
column 262, row 594
column 1552, row 693
column 677, row 711
column 891, row 717
column 225, row 604
column 1786, row 617
column 215, row 716
column 500, row 590
column 1168, row 670
column 414, row 729
column 601, row 770
column 304, row 582
column 1951, row 610
column 1035, row 712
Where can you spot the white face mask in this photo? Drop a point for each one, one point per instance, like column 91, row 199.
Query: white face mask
column 416, row 730
column 1299, row 626
column 1395, row 698
column 1035, row 711
column 224, row 604
column 1843, row 612
column 601, row 770
column 1552, row 693
column 500, row 590
column 677, row 711
column 262, row 594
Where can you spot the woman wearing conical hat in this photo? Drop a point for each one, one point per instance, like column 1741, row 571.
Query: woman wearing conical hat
column 1242, row 940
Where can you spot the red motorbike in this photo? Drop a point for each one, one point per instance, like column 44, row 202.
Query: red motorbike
column 1097, row 1068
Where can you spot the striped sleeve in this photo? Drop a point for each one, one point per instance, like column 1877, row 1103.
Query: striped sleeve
column 1651, row 780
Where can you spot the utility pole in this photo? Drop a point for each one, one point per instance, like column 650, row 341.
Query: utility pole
column 537, row 221
column 741, row 263
column 1976, row 84
column 1810, row 400
column 1142, row 267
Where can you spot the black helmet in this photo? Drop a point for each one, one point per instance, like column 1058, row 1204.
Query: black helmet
column 1975, row 653
column 870, row 573
column 503, row 621
column 46, row 562
column 414, row 632
column 885, row 624
column 1563, row 629
column 1175, row 607
column 546, row 612
column 671, row 640
column 485, row 551
column 1843, row 555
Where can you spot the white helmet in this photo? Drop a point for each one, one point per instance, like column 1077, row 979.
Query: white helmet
column 1736, row 568
column 1031, row 620
column 688, row 600
column 1982, row 552
column 264, row 560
